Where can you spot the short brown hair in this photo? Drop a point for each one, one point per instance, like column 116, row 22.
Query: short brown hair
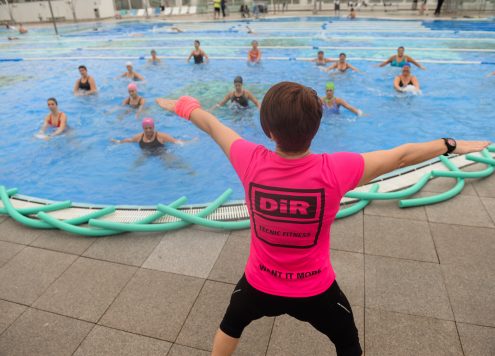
column 292, row 113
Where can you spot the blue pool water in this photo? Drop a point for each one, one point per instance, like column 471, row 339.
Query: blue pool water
column 85, row 166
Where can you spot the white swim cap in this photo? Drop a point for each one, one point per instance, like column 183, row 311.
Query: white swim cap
column 128, row 64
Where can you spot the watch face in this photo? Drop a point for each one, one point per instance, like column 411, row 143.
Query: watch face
column 451, row 142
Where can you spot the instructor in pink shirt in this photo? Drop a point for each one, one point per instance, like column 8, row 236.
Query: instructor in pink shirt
column 293, row 196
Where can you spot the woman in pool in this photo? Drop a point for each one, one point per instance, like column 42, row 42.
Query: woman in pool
column 406, row 81
column 293, row 196
column 85, row 85
column 399, row 59
column 154, row 59
column 131, row 74
column 254, row 54
column 320, row 59
column 134, row 100
column 55, row 119
column 332, row 104
column 150, row 139
column 239, row 96
column 342, row 65
column 198, row 54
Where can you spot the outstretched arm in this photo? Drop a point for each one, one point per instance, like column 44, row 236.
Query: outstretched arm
column 353, row 68
column 134, row 138
column 332, row 67
column 415, row 82
column 63, row 125
column 349, row 107
column 396, row 84
column 45, row 125
column 386, row 62
column 378, row 163
column 222, row 103
column 410, row 59
column 253, row 98
column 224, row 136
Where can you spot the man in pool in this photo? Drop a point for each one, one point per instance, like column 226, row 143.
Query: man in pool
column 85, row 85
column 239, row 96
column 320, row 59
column 332, row 104
column 131, row 74
column 150, row 139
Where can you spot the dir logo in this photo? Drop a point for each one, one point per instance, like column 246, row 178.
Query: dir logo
column 287, row 217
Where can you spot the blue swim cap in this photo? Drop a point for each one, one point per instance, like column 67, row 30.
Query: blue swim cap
column 407, row 64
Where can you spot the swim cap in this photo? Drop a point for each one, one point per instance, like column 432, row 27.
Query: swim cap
column 238, row 79
column 407, row 64
column 148, row 122
column 132, row 86
column 330, row 86
column 128, row 64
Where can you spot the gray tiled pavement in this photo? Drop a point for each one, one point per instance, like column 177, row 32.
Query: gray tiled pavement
column 420, row 282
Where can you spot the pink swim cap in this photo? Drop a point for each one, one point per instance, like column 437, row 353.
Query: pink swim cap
column 132, row 86
column 148, row 122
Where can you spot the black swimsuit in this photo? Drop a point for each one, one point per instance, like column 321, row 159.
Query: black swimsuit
column 198, row 58
column 85, row 85
column 152, row 145
column 137, row 105
column 402, row 85
column 240, row 100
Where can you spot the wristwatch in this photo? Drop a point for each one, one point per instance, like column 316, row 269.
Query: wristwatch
column 451, row 145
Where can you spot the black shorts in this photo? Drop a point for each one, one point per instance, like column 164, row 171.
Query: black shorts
column 217, row 9
column 328, row 312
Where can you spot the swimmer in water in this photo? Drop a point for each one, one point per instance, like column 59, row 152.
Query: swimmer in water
column 55, row 119
column 198, row 54
column 352, row 14
column 254, row 54
column 239, row 96
column 320, row 59
column 134, row 100
column 399, row 59
column 22, row 29
column 86, row 84
column 342, row 65
column 154, row 59
column 406, row 79
column 490, row 74
column 131, row 74
column 332, row 104
column 150, row 139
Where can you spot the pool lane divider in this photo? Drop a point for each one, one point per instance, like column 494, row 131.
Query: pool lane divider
column 302, row 59
column 97, row 227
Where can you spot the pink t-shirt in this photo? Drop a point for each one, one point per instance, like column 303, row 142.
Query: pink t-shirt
column 292, row 203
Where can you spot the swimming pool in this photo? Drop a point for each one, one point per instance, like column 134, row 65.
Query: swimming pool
column 85, row 166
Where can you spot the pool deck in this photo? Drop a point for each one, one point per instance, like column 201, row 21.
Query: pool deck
column 420, row 281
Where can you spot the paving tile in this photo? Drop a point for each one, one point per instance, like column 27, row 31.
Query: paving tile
column 399, row 238
column 103, row 341
column 9, row 312
column 26, row 276
column 86, row 289
column 231, row 262
column 458, row 244
column 191, row 252
column 472, row 293
column 291, row 337
column 7, row 251
column 390, row 208
column 349, row 268
column 442, row 184
column 477, row 340
column 180, row 350
column 394, row 334
column 485, row 187
column 130, row 249
column 347, row 233
column 40, row 333
column 13, row 231
column 3, row 218
column 206, row 315
column 406, row 286
column 154, row 304
column 461, row 210
column 63, row 242
column 489, row 204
